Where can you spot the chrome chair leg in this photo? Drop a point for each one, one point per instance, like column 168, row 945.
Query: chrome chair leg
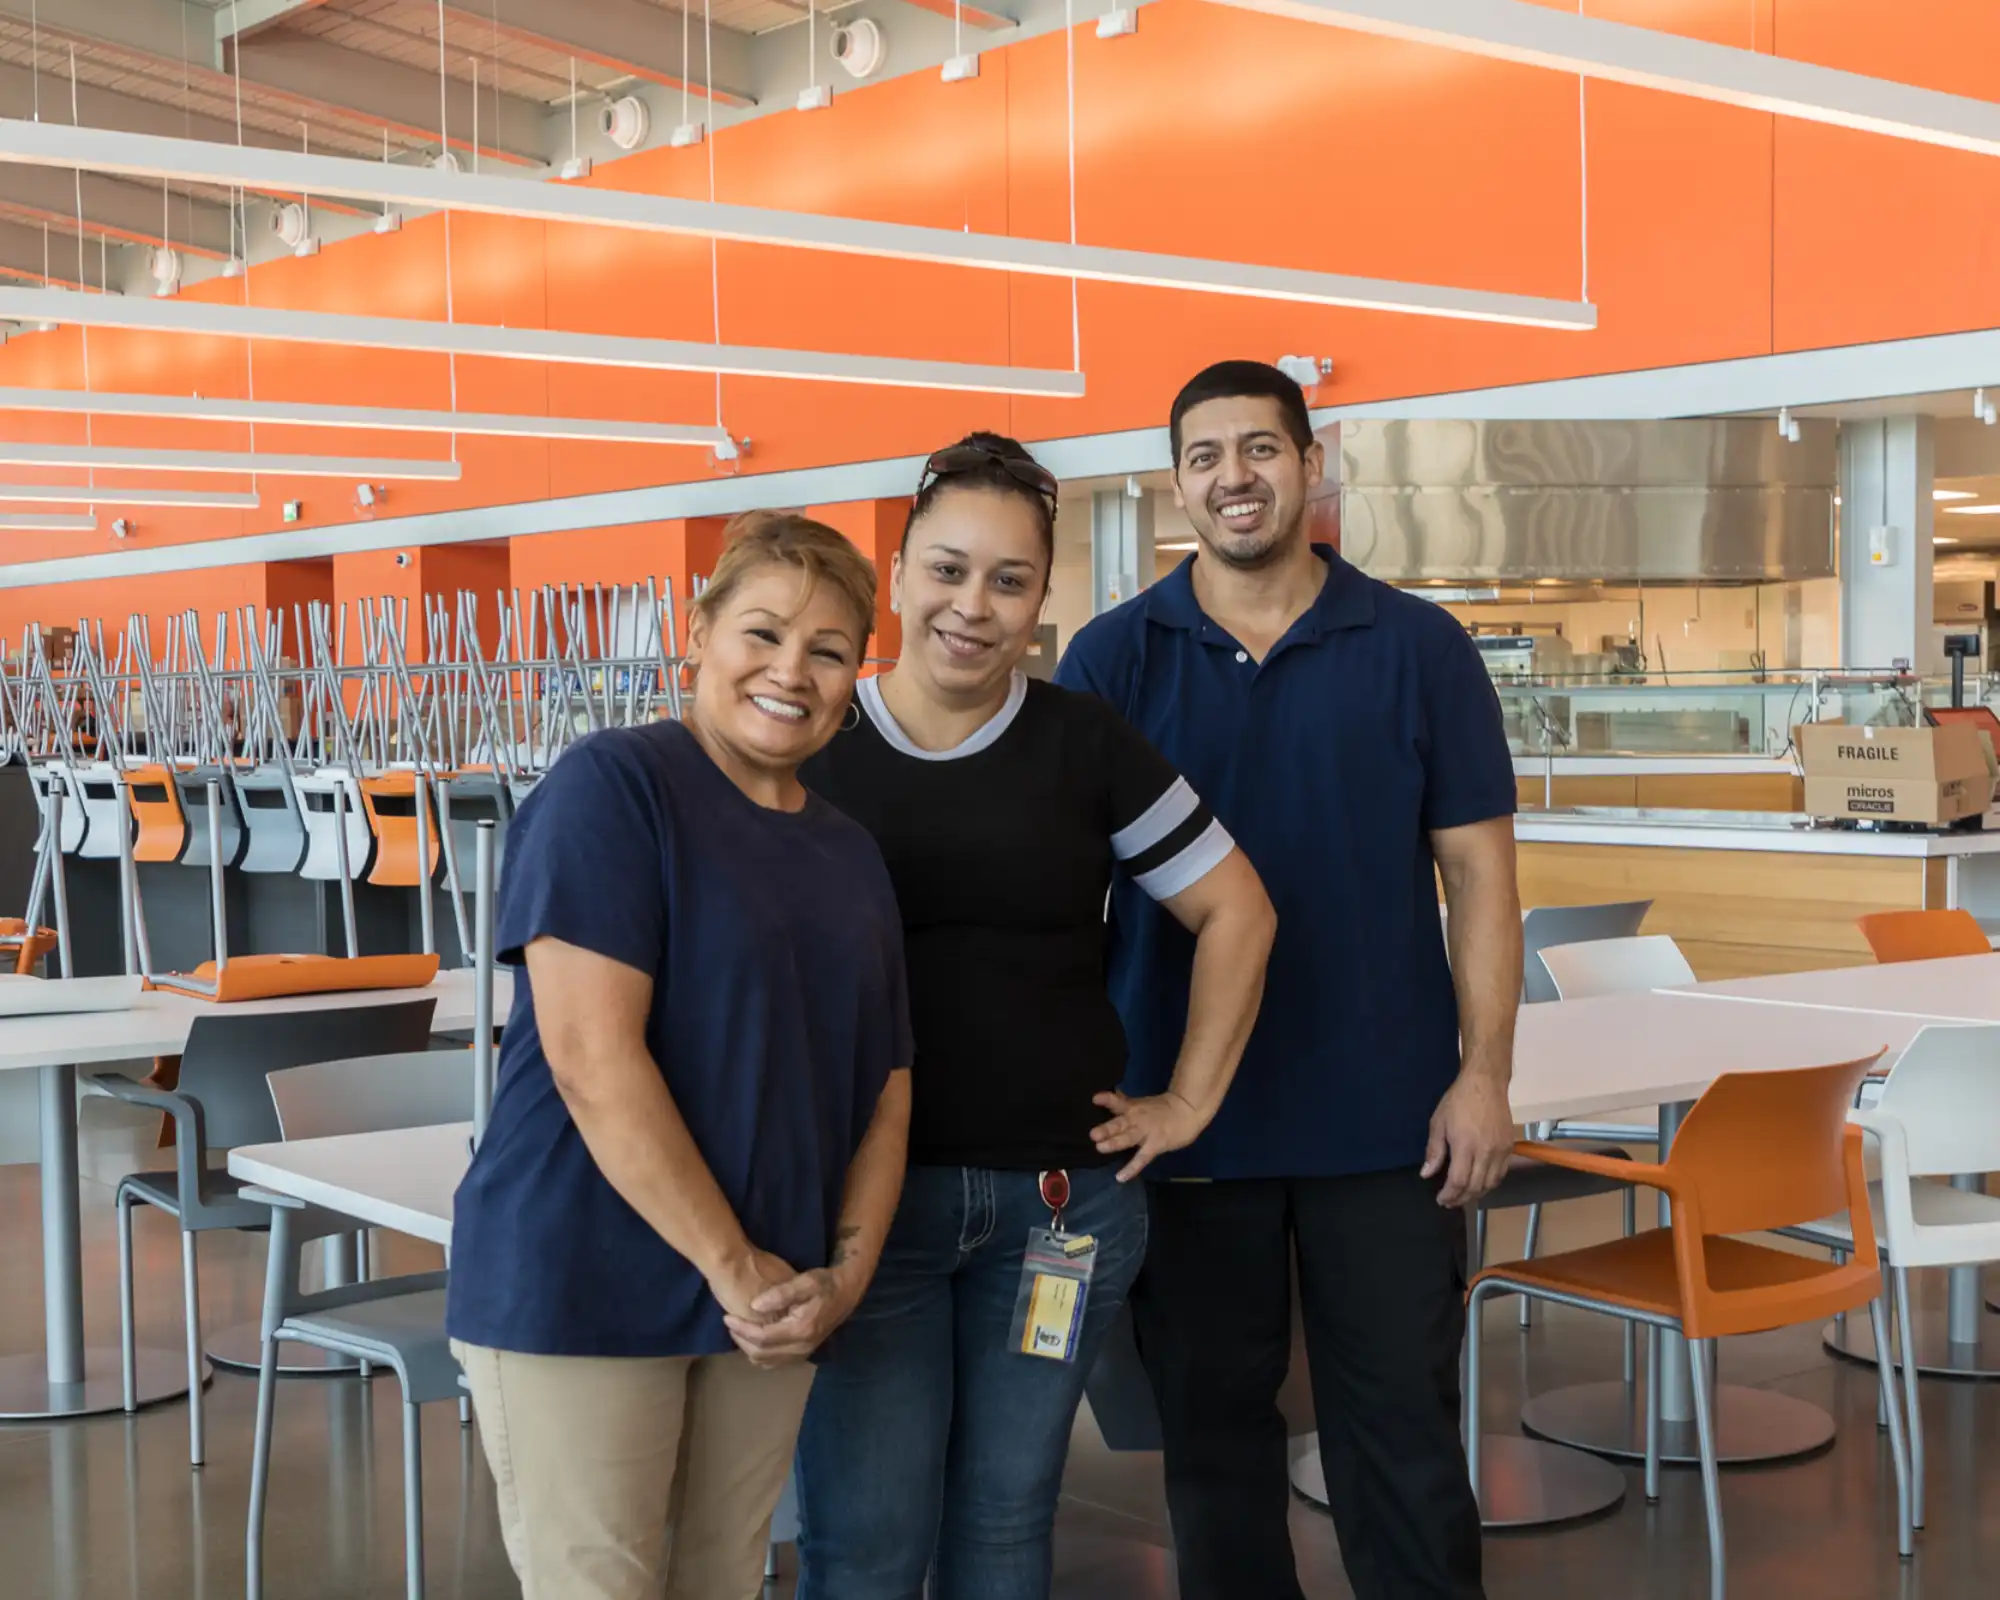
column 1652, row 1415
column 1470, row 1424
column 1840, row 1317
column 1528, row 1254
column 191, row 1288
column 413, row 1501
column 1885, row 1373
column 1631, row 1207
column 128, row 1337
column 771, row 1562
column 260, row 1473
column 1912, row 1404
column 1699, row 1351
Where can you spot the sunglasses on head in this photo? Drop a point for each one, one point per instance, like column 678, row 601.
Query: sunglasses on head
column 958, row 458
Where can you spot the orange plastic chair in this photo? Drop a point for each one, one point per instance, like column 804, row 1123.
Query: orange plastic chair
column 156, row 807
column 391, row 803
column 28, row 948
column 1923, row 935
column 1759, row 1151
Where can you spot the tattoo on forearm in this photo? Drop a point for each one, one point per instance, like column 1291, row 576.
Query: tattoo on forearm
column 843, row 1245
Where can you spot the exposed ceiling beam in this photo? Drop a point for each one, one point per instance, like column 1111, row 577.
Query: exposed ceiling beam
column 522, row 344
column 76, row 494
column 972, row 16
column 332, row 79
column 156, row 158
column 118, row 456
column 627, row 36
column 162, row 28
column 1648, row 58
column 62, row 264
column 190, row 408
column 245, row 19
column 132, row 213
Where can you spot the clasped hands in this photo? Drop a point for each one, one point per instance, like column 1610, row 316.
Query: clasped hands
column 777, row 1315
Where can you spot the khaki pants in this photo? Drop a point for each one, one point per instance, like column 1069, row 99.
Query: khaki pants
column 621, row 1478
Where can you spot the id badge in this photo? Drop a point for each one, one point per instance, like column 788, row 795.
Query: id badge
column 1055, row 1285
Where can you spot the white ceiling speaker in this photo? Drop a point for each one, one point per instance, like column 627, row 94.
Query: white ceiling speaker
column 625, row 122
column 163, row 263
column 288, row 222
column 447, row 161
column 860, row 46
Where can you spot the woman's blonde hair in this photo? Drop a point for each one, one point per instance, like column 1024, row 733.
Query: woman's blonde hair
column 819, row 553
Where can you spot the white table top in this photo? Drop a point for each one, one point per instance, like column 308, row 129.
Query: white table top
column 403, row 1180
column 159, row 1024
column 1572, row 1059
column 1951, row 989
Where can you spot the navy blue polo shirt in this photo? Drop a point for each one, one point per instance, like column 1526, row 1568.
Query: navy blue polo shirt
column 776, row 953
column 1370, row 724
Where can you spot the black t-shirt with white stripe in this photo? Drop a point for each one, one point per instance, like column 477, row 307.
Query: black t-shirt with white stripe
column 1002, row 851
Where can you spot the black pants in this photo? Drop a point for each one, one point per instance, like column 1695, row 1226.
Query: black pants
column 1382, row 1285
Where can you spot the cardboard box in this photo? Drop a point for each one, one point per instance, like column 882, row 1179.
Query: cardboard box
column 1926, row 775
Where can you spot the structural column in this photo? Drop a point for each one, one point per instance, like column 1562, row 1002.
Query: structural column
column 1886, row 474
column 1121, row 545
column 876, row 527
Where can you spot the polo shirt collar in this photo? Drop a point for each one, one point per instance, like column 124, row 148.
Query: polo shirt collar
column 1345, row 600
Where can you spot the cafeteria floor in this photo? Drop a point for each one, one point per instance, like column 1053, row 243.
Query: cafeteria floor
column 108, row 1509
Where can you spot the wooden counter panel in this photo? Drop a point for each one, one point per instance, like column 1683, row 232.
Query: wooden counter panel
column 1722, row 791
column 1683, row 791
column 1737, row 913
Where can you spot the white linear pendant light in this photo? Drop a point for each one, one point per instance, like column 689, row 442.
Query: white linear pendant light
column 1649, row 58
column 46, row 522
column 385, row 419
column 72, row 494
column 118, row 456
column 155, row 157
column 522, row 344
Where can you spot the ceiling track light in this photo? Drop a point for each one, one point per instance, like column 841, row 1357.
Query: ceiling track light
column 113, row 457
column 1788, row 425
column 1118, row 22
column 1984, row 409
column 527, row 344
column 73, row 494
column 46, row 522
column 155, row 157
column 1650, row 58
column 380, row 419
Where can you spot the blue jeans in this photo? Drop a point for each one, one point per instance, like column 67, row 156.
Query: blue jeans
column 931, row 1446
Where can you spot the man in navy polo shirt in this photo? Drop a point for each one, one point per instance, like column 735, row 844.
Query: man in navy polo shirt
column 1348, row 737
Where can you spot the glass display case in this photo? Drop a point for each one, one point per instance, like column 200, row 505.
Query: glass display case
column 1715, row 714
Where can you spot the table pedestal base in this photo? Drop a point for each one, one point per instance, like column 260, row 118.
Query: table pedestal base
column 241, row 1350
column 1523, row 1483
column 1609, row 1419
column 1937, row 1356
column 26, row 1395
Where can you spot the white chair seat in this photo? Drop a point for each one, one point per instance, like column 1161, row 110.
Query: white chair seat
column 1974, row 1221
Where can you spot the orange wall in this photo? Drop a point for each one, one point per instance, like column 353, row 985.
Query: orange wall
column 1713, row 233
column 876, row 527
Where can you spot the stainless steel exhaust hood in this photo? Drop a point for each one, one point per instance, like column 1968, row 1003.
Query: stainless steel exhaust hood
column 1715, row 501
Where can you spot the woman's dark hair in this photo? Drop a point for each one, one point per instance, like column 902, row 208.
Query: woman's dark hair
column 1231, row 380
column 990, row 461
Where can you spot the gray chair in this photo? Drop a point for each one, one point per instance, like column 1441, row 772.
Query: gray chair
column 1555, row 925
column 396, row 1323
column 1525, row 1183
column 221, row 1101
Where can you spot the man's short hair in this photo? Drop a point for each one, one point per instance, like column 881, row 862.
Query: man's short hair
column 1227, row 380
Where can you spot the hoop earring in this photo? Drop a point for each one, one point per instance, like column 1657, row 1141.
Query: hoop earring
column 852, row 720
column 683, row 676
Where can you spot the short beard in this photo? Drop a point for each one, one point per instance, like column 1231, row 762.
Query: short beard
column 1268, row 554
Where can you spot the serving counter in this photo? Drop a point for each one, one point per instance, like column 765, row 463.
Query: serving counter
column 1747, row 892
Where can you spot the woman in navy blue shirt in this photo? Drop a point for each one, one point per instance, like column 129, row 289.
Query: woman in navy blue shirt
column 935, row 1440
column 697, row 1137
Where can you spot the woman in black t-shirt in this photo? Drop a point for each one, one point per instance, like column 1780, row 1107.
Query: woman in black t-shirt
column 935, row 1438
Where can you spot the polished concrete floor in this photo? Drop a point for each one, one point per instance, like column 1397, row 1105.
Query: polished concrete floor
column 108, row 1509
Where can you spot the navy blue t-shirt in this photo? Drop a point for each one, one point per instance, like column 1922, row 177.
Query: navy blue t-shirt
column 779, row 1011
column 1371, row 724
